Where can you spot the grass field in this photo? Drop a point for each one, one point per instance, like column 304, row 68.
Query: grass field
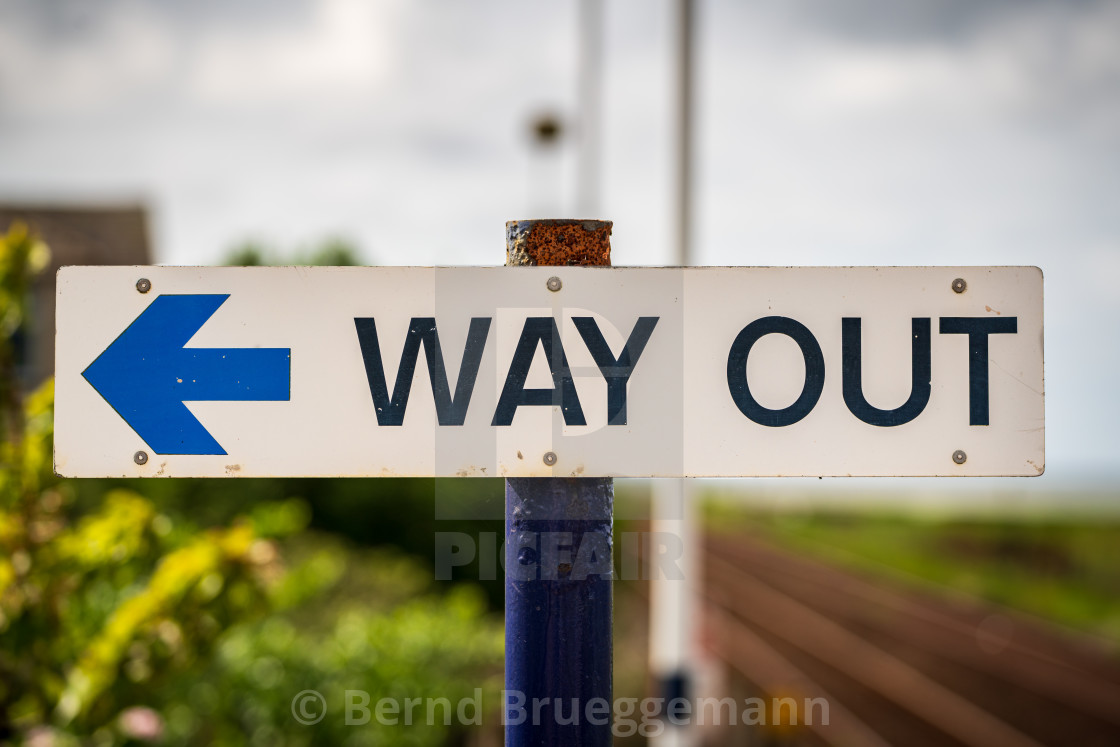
column 1063, row 570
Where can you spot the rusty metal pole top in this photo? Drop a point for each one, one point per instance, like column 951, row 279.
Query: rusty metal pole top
column 558, row 242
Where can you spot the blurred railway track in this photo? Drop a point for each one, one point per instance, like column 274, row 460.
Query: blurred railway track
column 900, row 666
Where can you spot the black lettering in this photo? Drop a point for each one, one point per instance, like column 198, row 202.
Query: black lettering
column 737, row 371
column 616, row 371
column 978, row 328
column 422, row 330
column 853, row 375
column 539, row 330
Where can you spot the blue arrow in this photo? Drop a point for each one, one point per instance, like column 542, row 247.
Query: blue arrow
column 146, row 374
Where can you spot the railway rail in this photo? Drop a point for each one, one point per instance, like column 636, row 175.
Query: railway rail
column 899, row 665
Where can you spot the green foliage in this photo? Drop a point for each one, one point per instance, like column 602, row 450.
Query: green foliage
column 78, row 597
column 191, row 612
column 95, row 609
column 375, row 511
column 249, row 254
column 22, row 255
column 333, row 252
column 371, row 633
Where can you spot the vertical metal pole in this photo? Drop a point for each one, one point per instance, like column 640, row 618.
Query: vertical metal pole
column 685, row 17
column 590, row 102
column 558, row 626
column 673, row 601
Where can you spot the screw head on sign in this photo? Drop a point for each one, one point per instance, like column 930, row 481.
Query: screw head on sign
column 143, row 285
column 550, row 458
column 959, row 285
column 140, row 457
column 554, row 284
column 960, row 457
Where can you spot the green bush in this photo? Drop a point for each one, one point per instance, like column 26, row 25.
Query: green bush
column 129, row 615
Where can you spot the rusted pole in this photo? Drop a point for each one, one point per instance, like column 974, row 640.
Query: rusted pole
column 558, row 626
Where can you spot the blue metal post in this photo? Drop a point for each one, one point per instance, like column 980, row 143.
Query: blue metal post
column 558, row 559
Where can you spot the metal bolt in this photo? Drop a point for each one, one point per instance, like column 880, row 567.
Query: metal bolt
column 550, row 458
column 143, row 285
column 959, row 285
column 960, row 457
column 554, row 284
column 140, row 457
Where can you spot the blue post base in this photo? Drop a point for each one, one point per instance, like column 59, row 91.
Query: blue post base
column 558, row 612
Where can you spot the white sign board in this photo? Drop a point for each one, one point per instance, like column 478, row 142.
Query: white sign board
column 296, row 371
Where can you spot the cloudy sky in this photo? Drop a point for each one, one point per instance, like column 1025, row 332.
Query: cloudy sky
column 828, row 132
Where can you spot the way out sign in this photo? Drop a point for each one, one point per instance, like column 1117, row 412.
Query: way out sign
column 582, row 372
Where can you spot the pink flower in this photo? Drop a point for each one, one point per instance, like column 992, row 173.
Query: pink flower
column 142, row 723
